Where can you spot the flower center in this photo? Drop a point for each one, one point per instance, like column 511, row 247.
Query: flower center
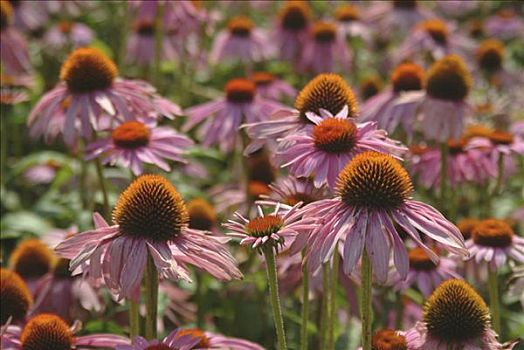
column 449, row 79
column 6, row 14
column 240, row 26
column 466, row 227
column 370, row 86
column 437, row 29
column 490, row 55
column 151, row 208
column 456, row 146
column 297, row 197
column 202, row 216
column 418, row 150
column 31, row 259
column 492, row 233
column 387, row 339
column 477, row 130
column 257, row 188
column 144, row 27
column 65, row 27
column 87, row 70
column 506, row 14
column 501, row 137
column 131, row 135
column 261, row 169
column 324, row 32
column 195, row 333
column 159, row 347
column 347, row 13
column 419, row 260
column 240, row 90
column 294, row 15
column 262, row 78
column 456, row 313
column 334, row 135
column 327, row 91
column 405, row 4
column 16, row 298
column 264, row 225
column 61, row 269
column 407, row 77
column 46, row 331
column 374, row 181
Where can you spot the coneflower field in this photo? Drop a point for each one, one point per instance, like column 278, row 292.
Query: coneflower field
column 262, row 174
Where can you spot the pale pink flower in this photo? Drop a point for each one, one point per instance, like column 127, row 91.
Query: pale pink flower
column 505, row 25
column 396, row 17
column 141, row 44
column 291, row 30
column 13, row 46
column 271, row 87
column 68, row 35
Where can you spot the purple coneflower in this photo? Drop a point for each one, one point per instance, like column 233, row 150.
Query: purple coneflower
column 290, row 191
column 385, row 108
column 350, row 24
column 47, row 331
column 373, row 193
column 241, row 42
column 455, row 317
column 189, row 339
column 29, row 16
column 457, row 8
column 132, row 143
column 388, row 339
column 324, row 50
column 16, row 298
column 141, row 44
column 396, row 16
column 224, row 116
column 327, row 91
column 490, row 61
column 13, row 89
column 68, row 35
column 90, row 88
column 324, row 150
column 269, row 86
column 292, row 29
column 150, row 218
column 31, row 259
column 370, row 86
column 13, row 47
column 505, row 25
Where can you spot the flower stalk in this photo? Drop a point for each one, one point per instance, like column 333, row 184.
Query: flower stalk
column 269, row 255
column 365, row 301
column 444, row 151
column 134, row 318
column 305, row 308
column 494, row 300
column 500, row 175
column 103, row 188
column 151, row 298
column 333, row 302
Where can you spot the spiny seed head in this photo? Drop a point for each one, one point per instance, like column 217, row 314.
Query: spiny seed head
column 326, row 91
column 65, row 26
column 374, row 181
column 437, row 29
column 490, row 55
column 492, row 233
column 477, row 130
column 408, row 77
column 257, row 188
column 262, row 226
column 87, row 70
column 456, row 146
column 46, row 331
column 131, row 135
column 144, row 27
column 240, row 90
column 388, row 339
column 324, row 32
column 295, row 15
column 202, row 215
column 456, row 313
column 260, row 168
column 297, row 197
column 151, row 208
column 347, row 13
column 449, row 79
column 240, row 26
column 466, row 226
column 195, row 333
column 501, row 137
column 333, row 135
column 31, row 258
column 370, row 86
column 419, row 260
column 262, row 78
column 6, row 14
column 14, row 296
column 405, row 4
column 61, row 268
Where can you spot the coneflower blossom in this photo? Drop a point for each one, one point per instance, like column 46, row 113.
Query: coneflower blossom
column 494, row 242
column 350, row 23
column 15, row 296
column 223, row 117
column 150, row 218
column 90, row 88
column 288, row 191
column 388, row 339
column 141, row 44
column 13, row 89
column 370, row 86
column 292, row 29
column 240, row 42
column 48, row 331
column 374, row 193
column 189, row 339
column 67, row 35
column 327, row 91
column 325, row 50
column 132, row 143
column 455, row 317
column 13, row 47
column 505, row 25
column 31, row 259
column 386, row 109
column 396, row 16
column 323, row 151
column 270, row 86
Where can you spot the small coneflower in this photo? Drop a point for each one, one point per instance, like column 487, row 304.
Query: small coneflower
column 386, row 107
column 67, row 35
column 31, row 259
column 466, row 226
column 189, row 339
column 374, row 192
column 291, row 191
column 241, row 41
column 397, row 16
column 141, row 44
column 15, row 297
column 325, row 50
column 133, row 143
column 91, row 88
column 326, row 91
column 370, row 86
column 291, row 29
column 426, row 274
column 223, row 117
column 457, row 8
column 270, row 86
column 150, row 218
column 350, row 22
column 490, row 55
column 455, row 317
column 202, row 215
column 13, row 47
column 323, row 151
column 13, row 89
column 505, row 25
column 388, row 339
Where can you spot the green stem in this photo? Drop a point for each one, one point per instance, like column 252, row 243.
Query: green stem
column 100, row 175
column 4, row 118
column 365, row 304
column 333, row 301
column 305, row 308
column 324, row 325
column 494, row 300
column 269, row 254
column 151, row 298
column 444, row 151
column 500, row 175
column 159, row 36
column 200, row 300
column 134, row 318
